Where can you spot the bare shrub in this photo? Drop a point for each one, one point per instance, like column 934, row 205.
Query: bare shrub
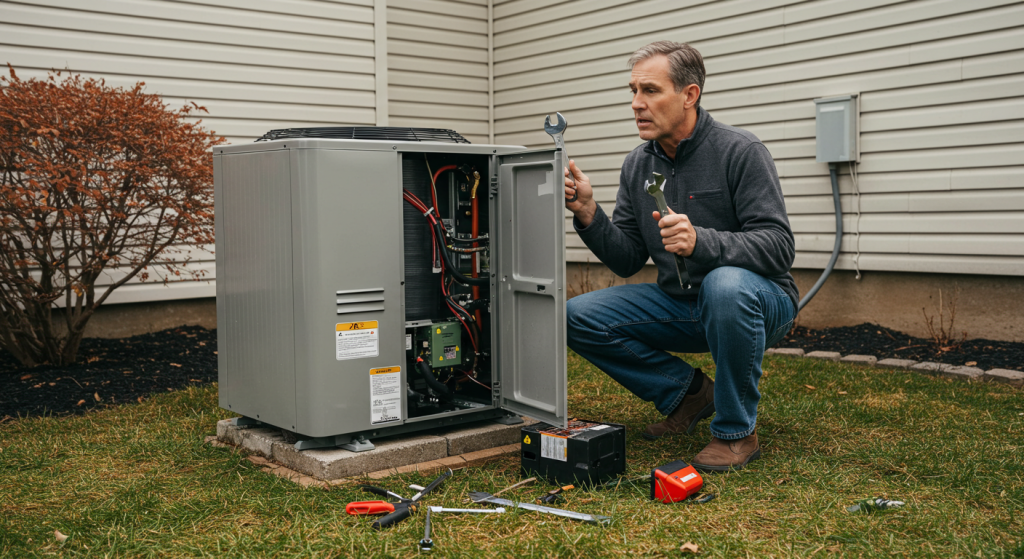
column 942, row 334
column 97, row 185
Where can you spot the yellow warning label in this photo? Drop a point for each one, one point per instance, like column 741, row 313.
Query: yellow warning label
column 385, row 370
column 438, row 330
column 526, row 440
column 348, row 326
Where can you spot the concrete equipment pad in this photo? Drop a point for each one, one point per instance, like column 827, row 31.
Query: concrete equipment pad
column 391, row 453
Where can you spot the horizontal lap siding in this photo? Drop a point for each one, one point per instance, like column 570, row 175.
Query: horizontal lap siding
column 255, row 65
column 437, row 66
column 941, row 178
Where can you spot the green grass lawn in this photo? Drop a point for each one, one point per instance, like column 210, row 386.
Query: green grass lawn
column 138, row 481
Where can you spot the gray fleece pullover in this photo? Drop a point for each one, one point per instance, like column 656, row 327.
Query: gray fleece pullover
column 724, row 180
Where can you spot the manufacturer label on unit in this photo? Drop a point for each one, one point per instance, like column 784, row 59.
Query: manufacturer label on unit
column 553, row 447
column 355, row 340
column 385, row 394
column 408, row 342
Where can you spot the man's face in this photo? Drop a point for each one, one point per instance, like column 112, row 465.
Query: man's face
column 658, row 109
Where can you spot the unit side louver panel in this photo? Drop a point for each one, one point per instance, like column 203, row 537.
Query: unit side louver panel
column 360, row 300
column 384, row 133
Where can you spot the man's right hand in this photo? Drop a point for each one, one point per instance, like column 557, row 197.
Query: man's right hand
column 584, row 207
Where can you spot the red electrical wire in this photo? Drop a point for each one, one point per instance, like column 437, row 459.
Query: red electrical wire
column 418, row 204
column 470, row 377
column 469, row 332
column 433, row 184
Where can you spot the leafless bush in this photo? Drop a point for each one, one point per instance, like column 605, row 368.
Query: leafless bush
column 942, row 334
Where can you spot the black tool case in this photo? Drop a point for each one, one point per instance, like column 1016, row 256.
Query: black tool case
column 585, row 453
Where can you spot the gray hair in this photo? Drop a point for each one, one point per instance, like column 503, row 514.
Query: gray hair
column 686, row 65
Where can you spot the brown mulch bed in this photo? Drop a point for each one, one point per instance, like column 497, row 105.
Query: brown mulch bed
column 112, row 372
column 109, row 372
column 884, row 343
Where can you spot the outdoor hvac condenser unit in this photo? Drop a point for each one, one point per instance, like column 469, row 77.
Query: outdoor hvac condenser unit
column 346, row 304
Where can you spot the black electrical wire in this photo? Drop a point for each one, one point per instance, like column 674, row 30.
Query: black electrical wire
column 427, row 375
column 475, row 304
column 481, row 239
column 452, row 269
column 440, row 236
column 466, row 250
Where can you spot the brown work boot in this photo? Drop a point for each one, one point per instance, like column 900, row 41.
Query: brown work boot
column 723, row 456
column 692, row 409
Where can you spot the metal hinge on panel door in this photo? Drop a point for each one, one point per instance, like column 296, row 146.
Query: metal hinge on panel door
column 494, row 185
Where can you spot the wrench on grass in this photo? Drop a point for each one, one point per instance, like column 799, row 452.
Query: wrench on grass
column 555, row 131
column 654, row 188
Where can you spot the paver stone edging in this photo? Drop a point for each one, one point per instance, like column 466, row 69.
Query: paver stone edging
column 963, row 372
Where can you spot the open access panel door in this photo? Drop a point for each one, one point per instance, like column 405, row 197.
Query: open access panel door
column 530, row 219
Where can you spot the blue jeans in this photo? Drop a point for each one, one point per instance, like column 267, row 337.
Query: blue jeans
column 628, row 330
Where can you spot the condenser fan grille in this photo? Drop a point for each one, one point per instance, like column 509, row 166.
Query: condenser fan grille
column 385, row 133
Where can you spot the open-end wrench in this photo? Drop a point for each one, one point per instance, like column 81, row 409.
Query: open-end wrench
column 655, row 187
column 481, row 497
column 555, row 131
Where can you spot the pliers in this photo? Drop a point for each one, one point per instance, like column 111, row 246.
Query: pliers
column 396, row 511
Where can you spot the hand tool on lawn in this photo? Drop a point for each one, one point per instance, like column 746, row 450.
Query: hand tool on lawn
column 553, row 495
column 555, row 131
column 436, row 510
column 481, row 497
column 426, row 544
column 871, row 505
column 397, row 512
column 655, row 187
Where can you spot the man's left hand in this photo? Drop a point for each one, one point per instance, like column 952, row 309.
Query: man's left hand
column 677, row 233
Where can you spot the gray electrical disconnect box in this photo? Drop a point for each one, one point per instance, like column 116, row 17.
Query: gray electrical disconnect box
column 334, row 319
column 837, row 128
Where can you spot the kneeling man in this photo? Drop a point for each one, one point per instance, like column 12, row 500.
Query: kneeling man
column 727, row 219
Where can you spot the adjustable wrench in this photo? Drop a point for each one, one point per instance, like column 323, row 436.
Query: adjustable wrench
column 555, row 131
column 655, row 187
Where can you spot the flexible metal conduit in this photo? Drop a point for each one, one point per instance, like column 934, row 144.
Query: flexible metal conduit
column 833, row 172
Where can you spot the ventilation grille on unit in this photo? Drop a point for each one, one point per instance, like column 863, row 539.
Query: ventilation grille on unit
column 388, row 133
column 360, row 300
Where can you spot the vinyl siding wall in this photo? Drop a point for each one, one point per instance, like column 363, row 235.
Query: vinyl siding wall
column 941, row 177
column 437, row 65
column 941, row 184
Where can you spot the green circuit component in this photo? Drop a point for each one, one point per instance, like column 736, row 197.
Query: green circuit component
column 445, row 344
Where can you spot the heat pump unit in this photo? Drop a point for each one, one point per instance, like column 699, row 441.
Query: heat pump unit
column 372, row 287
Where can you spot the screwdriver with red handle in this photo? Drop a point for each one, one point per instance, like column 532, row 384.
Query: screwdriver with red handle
column 395, row 512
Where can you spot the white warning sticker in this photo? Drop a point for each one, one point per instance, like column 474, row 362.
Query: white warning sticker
column 385, row 394
column 354, row 340
column 553, row 447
